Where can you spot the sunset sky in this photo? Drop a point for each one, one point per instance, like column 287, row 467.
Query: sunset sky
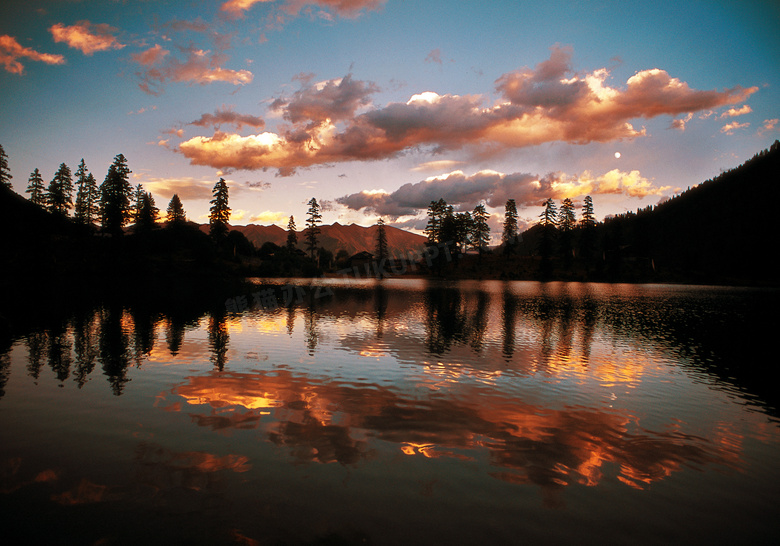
column 377, row 107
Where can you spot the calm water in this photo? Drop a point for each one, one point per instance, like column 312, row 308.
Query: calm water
column 397, row 412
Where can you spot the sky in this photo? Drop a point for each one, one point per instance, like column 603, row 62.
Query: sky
column 377, row 107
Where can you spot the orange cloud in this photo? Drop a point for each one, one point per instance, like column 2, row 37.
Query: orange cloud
column 151, row 56
column 342, row 8
column 729, row 128
column 236, row 8
column 11, row 51
column 769, row 125
column 734, row 112
column 546, row 104
column 202, row 67
column 86, row 37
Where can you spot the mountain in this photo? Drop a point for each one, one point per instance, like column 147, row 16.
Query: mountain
column 352, row 238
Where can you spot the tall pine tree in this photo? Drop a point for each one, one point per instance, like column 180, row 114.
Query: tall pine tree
column 547, row 240
column 60, row 191
column 35, row 188
column 87, row 196
column 115, row 197
column 313, row 221
column 175, row 212
column 5, row 173
column 219, row 213
column 292, row 236
column 381, row 240
column 147, row 215
column 588, row 233
column 566, row 223
column 509, row 237
column 480, row 230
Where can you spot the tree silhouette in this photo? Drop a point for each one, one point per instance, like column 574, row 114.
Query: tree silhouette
column 509, row 237
column 147, row 215
column 436, row 213
column 547, row 239
column 219, row 211
column 381, row 240
column 86, row 208
column 312, row 225
column 175, row 213
column 566, row 223
column 5, row 173
column 292, row 236
column 480, row 231
column 587, row 235
column 138, row 202
column 35, row 188
column 58, row 195
column 115, row 192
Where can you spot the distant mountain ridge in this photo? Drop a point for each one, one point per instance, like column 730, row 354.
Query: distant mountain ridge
column 334, row 237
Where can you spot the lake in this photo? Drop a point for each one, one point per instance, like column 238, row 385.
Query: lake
column 401, row 411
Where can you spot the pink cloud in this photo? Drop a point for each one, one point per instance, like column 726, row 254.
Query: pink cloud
column 11, row 51
column 202, row 67
column 769, row 125
column 342, row 8
column 227, row 116
column 495, row 188
column 151, row 56
column 237, row 8
column 86, row 37
column 729, row 128
column 549, row 103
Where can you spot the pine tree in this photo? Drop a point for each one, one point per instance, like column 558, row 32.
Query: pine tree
column 35, row 189
column 219, row 211
column 480, row 231
column 588, row 223
column 381, row 240
column 509, row 237
column 312, row 226
column 115, row 195
column 60, row 191
column 138, row 202
column 85, row 209
column 175, row 213
column 548, row 216
column 147, row 215
column 5, row 173
column 436, row 212
column 566, row 223
column 292, row 236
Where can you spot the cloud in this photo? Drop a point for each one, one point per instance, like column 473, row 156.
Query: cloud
column 185, row 187
column 11, row 51
column 464, row 192
column 270, row 217
column 335, row 100
column 86, row 37
column 769, row 125
column 734, row 112
column 237, row 8
column 681, row 123
column 200, row 66
column 151, row 56
column 227, row 116
column 434, row 56
column 549, row 103
column 729, row 128
column 438, row 165
column 342, row 8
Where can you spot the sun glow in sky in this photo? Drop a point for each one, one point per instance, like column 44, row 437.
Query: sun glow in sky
column 470, row 101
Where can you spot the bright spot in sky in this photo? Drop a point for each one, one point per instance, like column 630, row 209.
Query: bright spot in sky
column 617, row 155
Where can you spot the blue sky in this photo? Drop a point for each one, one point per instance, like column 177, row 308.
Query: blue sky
column 376, row 106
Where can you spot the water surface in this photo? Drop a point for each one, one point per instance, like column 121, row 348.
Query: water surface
column 400, row 411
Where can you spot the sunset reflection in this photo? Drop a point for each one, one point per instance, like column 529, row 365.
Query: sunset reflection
column 322, row 421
